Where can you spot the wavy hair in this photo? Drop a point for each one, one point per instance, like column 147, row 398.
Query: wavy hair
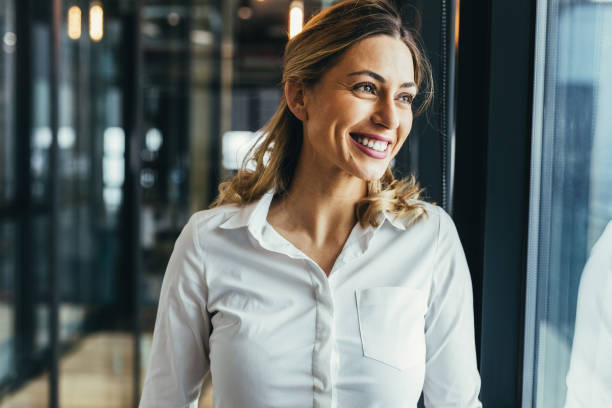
column 307, row 57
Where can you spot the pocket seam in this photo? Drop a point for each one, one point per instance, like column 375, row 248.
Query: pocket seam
column 369, row 350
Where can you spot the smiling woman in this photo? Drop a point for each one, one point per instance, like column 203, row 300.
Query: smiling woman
column 318, row 279
column 361, row 109
column 330, row 36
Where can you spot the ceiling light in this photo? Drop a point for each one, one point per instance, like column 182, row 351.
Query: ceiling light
column 74, row 23
column 296, row 18
column 96, row 22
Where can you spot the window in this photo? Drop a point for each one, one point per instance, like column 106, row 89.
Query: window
column 571, row 186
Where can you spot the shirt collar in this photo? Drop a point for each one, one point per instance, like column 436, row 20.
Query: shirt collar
column 393, row 220
column 255, row 214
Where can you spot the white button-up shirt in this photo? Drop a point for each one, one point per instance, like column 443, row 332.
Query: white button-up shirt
column 393, row 318
column 589, row 379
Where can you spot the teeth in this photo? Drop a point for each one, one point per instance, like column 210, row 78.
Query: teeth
column 373, row 144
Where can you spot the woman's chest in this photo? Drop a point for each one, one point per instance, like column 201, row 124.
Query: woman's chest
column 346, row 333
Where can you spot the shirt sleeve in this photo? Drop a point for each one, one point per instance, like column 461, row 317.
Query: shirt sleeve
column 179, row 357
column 451, row 375
column 589, row 379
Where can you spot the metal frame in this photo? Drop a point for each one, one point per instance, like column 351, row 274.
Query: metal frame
column 429, row 154
column 24, row 324
column 133, row 124
column 492, row 181
column 55, row 204
column 530, row 341
column 473, row 68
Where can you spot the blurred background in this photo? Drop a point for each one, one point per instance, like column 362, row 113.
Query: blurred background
column 118, row 119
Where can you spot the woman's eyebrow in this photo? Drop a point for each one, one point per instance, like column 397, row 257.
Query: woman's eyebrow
column 379, row 78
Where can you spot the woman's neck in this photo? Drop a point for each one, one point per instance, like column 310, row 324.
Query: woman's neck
column 320, row 204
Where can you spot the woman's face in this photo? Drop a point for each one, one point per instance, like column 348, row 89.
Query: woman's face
column 360, row 112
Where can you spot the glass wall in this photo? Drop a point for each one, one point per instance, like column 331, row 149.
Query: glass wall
column 7, row 93
column 198, row 78
column 571, row 204
column 8, row 226
column 94, row 328
column 157, row 101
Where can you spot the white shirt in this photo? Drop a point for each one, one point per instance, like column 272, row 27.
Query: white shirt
column 393, row 318
column 589, row 379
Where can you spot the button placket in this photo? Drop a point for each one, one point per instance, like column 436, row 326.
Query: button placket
column 323, row 352
column 334, row 366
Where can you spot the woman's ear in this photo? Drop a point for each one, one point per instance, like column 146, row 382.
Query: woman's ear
column 295, row 96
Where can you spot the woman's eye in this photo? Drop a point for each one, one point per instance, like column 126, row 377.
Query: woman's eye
column 368, row 88
column 406, row 98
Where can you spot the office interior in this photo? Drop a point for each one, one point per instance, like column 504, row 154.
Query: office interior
column 120, row 117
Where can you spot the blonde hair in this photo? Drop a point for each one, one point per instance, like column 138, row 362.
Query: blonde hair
column 307, row 57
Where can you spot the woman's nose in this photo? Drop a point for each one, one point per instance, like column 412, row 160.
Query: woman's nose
column 386, row 113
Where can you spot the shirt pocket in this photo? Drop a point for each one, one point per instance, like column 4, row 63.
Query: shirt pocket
column 392, row 325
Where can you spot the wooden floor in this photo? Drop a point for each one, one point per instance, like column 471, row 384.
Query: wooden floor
column 97, row 374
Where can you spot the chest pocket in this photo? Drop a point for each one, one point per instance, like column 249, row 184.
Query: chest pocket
column 391, row 325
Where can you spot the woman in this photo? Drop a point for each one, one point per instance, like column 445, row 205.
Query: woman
column 318, row 279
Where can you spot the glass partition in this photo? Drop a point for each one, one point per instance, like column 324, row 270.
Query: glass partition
column 8, row 228
column 207, row 81
column 8, row 270
column 571, row 204
column 7, row 93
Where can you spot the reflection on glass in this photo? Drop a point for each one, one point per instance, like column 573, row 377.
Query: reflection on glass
column 7, row 94
column 574, row 195
column 8, row 271
column 40, row 271
column 113, row 167
column 153, row 139
column 589, row 380
column 26, row 349
column 41, row 126
column 66, row 137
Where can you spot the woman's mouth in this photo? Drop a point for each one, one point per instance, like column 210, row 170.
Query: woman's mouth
column 375, row 148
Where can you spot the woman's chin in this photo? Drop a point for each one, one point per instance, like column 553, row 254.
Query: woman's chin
column 372, row 174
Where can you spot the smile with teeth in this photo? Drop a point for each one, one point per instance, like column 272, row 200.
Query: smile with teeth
column 373, row 144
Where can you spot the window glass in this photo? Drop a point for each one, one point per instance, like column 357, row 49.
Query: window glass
column 8, row 269
column 95, row 324
column 568, row 299
column 8, row 230
column 24, row 238
column 7, row 91
column 95, row 321
column 207, row 81
column 39, row 250
column 41, row 135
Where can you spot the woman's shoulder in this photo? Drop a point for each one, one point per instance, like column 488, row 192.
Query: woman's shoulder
column 438, row 216
column 212, row 218
column 431, row 217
